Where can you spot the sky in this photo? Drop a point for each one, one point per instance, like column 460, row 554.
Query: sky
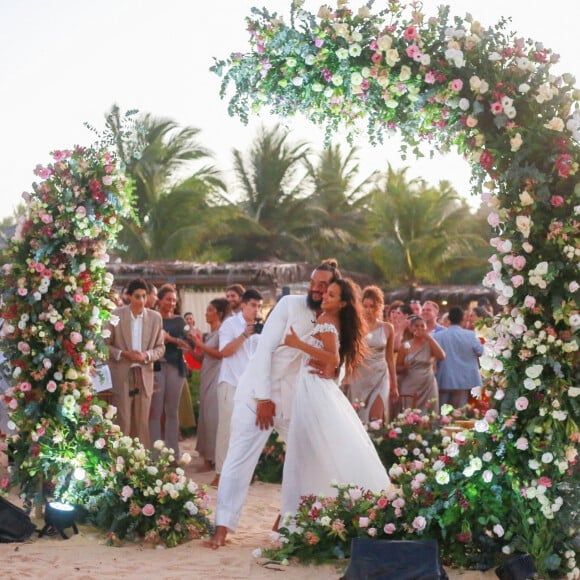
column 65, row 62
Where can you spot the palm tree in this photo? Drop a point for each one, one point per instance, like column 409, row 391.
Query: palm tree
column 421, row 234
column 272, row 216
column 173, row 202
column 339, row 205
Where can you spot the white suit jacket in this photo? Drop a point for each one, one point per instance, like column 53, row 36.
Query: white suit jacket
column 272, row 372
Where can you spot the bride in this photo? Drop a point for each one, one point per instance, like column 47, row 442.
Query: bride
column 326, row 441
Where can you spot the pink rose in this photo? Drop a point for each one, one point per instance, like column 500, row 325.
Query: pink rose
column 59, row 326
column 410, row 33
column 372, row 532
column 573, row 286
column 75, row 337
column 430, row 78
column 522, row 403
column 529, row 301
column 519, row 262
column 419, row 523
column 382, row 503
column 127, row 492
column 456, row 85
column 545, row 481
column 77, row 298
column 51, row 386
column 148, row 510
column 522, row 444
column 493, row 219
column 556, row 201
column 363, row 522
column 517, row 281
column 25, row 387
column 389, row 529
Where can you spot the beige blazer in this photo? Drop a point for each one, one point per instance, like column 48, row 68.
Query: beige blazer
column 152, row 343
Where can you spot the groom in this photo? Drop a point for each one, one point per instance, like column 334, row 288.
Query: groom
column 264, row 396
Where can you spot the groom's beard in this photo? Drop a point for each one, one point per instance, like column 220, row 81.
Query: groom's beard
column 314, row 305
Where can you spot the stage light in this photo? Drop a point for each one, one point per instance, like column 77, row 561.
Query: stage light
column 58, row 517
column 519, row 567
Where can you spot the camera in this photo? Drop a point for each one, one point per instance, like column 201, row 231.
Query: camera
column 258, row 326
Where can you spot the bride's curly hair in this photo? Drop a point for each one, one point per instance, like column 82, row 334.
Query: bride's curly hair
column 353, row 347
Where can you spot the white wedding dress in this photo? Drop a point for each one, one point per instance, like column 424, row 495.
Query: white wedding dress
column 327, row 442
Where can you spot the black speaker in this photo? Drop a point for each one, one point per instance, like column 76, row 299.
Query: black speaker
column 520, row 567
column 15, row 525
column 394, row 560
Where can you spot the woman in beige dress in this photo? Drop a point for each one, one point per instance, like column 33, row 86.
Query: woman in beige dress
column 415, row 365
column 370, row 387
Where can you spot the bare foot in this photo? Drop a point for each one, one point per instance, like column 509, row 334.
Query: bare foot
column 215, row 481
column 277, row 523
column 218, row 539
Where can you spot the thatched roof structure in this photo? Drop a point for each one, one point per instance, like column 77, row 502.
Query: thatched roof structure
column 213, row 275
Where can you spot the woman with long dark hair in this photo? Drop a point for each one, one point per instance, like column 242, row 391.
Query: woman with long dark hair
column 169, row 373
column 327, row 441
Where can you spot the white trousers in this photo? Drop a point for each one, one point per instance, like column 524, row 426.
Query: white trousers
column 247, row 441
column 225, row 395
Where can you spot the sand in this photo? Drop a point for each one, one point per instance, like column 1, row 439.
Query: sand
column 85, row 556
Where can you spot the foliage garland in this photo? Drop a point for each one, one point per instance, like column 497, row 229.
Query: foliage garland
column 447, row 84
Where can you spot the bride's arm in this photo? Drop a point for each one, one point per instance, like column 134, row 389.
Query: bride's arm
column 327, row 355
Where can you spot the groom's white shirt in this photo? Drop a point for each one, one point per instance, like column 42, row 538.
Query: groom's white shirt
column 273, row 370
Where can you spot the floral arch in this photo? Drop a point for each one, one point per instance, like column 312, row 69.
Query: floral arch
column 450, row 83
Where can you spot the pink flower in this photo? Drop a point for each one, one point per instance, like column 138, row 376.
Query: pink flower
column 355, row 493
column 493, row 219
column 377, row 57
column 127, row 492
column 22, row 291
column 363, row 522
column 545, row 481
column 519, row 262
column 557, row 201
column 456, row 85
column 389, row 528
column 76, row 337
column 51, row 386
column 25, row 387
column 410, row 33
column 529, row 301
column 382, row 503
column 148, row 510
column 419, row 523
column 522, row 403
column 522, row 444
column 59, row 326
column 77, row 298
column 372, row 532
column 517, row 281
column 496, row 108
column 413, row 51
column 430, row 78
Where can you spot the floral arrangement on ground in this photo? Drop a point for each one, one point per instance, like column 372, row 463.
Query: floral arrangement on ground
column 64, row 444
column 449, row 83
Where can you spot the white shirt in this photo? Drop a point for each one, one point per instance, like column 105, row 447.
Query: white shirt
column 233, row 366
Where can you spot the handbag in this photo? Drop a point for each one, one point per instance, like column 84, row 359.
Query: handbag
column 394, row 560
column 15, row 525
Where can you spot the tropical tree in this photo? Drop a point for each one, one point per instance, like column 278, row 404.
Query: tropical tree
column 338, row 207
column 175, row 203
column 272, row 218
column 421, row 234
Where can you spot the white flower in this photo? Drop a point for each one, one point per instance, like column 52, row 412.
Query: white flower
column 498, row 530
column 556, row 124
column 547, row 457
column 487, row 476
column 534, row 371
column 354, row 50
column 442, row 477
column 516, row 142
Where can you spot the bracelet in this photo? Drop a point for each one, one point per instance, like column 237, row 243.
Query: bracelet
column 244, row 336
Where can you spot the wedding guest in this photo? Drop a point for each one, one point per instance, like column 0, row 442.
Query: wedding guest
column 151, row 295
column 237, row 343
column 415, row 362
column 326, row 441
column 265, row 394
column 374, row 381
column 458, row 373
column 134, row 344
column 234, row 295
column 430, row 314
column 186, row 413
column 399, row 313
column 416, row 308
column 210, row 357
column 170, row 372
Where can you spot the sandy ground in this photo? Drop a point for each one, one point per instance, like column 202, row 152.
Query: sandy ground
column 85, row 556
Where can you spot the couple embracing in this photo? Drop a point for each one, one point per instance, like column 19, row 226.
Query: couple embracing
column 290, row 385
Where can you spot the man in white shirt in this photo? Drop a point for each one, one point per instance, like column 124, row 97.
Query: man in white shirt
column 265, row 395
column 237, row 343
column 135, row 342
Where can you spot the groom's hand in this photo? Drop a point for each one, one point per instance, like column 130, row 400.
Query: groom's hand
column 324, row 370
column 265, row 411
